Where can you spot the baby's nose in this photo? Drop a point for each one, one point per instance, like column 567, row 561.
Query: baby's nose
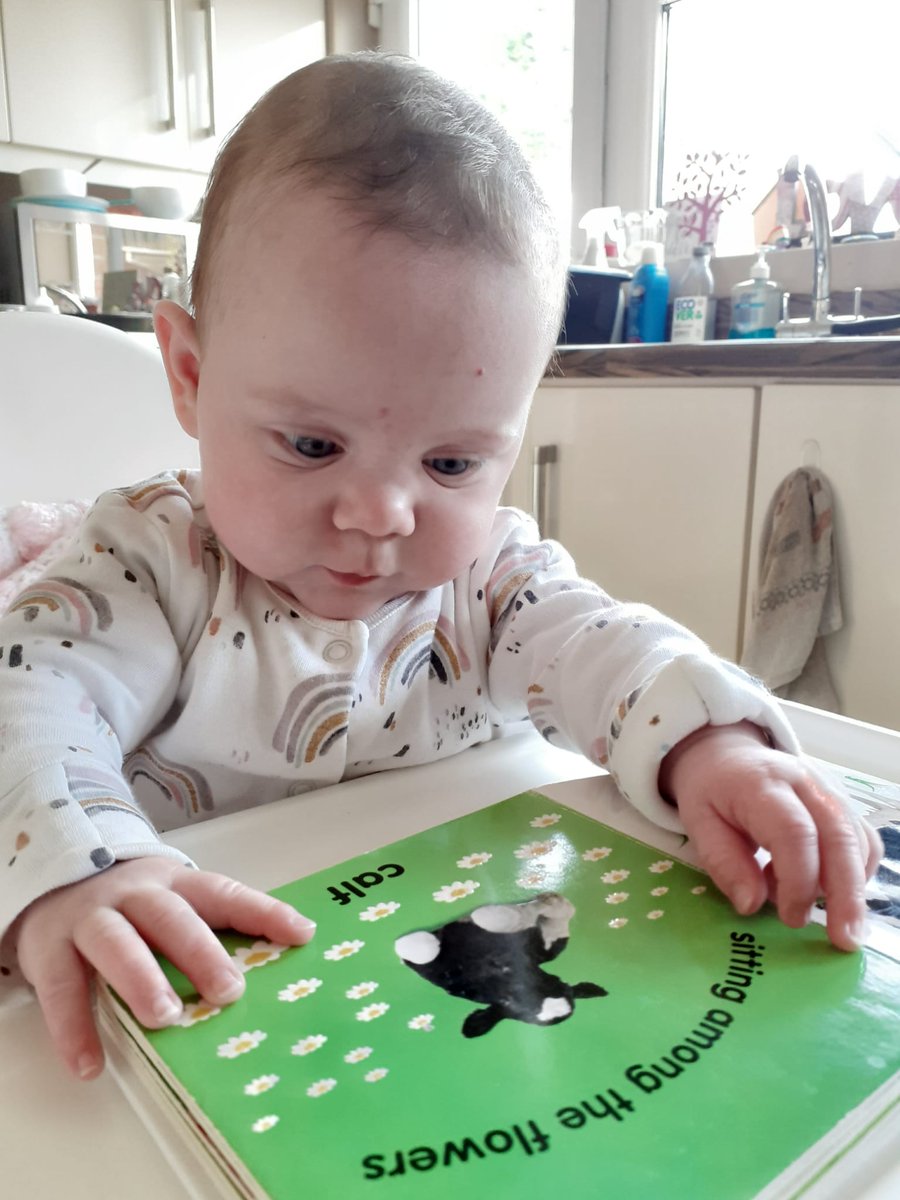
column 377, row 508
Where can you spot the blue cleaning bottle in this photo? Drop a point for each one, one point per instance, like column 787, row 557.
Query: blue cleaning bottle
column 648, row 299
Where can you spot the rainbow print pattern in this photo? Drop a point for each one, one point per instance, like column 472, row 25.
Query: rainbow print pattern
column 182, row 785
column 75, row 600
column 315, row 716
column 430, row 643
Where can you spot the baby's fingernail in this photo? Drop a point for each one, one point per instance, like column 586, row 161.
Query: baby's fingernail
column 227, row 986
column 166, row 1009
column 744, row 900
column 301, row 924
column 89, row 1066
column 856, row 932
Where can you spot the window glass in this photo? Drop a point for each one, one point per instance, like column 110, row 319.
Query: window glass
column 755, row 81
column 516, row 57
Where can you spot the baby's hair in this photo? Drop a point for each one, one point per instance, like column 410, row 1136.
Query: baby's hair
column 403, row 148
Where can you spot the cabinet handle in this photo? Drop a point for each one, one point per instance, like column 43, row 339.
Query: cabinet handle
column 209, row 22
column 171, row 66
column 543, row 458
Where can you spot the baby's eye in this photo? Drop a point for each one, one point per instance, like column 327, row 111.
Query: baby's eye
column 452, row 466
column 314, row 447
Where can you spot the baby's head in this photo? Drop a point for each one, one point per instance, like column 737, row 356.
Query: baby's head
column 394, row 145
column 377, row 290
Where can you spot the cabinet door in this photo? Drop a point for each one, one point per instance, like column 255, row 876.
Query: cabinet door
column 235, row 56
column 649, row 493
column 99, row 78
column 852, row 434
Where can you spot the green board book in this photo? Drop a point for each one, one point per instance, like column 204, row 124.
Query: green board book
column 526, row 1001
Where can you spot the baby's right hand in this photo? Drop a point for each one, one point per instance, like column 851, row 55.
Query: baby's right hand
column 108, row 922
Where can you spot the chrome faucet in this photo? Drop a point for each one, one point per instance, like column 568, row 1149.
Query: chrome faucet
column 820, row 320
column 820, row 300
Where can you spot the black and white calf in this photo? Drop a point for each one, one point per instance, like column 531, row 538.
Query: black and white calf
column 493, row 956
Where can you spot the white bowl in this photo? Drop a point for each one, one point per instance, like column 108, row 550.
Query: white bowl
column 166, row 202
column 52, row 181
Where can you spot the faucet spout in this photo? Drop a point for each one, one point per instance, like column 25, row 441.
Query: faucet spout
column 821, row 237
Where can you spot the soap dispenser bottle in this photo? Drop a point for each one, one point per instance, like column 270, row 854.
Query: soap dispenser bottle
column 755, row 303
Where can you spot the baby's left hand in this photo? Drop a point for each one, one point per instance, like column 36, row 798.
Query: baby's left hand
column 735, row 794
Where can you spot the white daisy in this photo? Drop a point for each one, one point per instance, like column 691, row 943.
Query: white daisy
column 533, row 849
column 264, row 1123
column 531, row 879
column 374, row 1075
column 372, row 1011
column 660, row 891
column 597, row 853
column 546, row 820
column 196, row 1011
column 361, row 989
column 664, row 864
column 615, row 876
column 309, row 1044
column 357, row 1055
column 299, row 990
column 320, row 1087
column 343, row 950
column 618, row 922
column 257, row 955
column 616, row 897
column 474, row 860
column 241, row 1043
column 376, row 912
column 423, row 1021
column 655, row 914
column 262, row 1083
column 455, row 891
column 698, row 891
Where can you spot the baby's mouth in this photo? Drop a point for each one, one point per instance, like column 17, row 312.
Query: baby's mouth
column 348, row 579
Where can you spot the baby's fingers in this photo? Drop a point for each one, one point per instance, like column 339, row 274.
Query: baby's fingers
column 226, row 904
column 167, row 920
column 108, row 940
column 62, row 983
column 847, row 852
column 727, row 854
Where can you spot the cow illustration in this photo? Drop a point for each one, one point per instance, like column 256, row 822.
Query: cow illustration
column 494, row 956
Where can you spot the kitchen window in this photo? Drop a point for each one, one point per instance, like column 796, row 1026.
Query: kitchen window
column 615, row 95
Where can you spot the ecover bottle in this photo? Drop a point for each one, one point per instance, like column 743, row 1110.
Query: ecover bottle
column 648, row 298
column 694, row 307
column 755, row 303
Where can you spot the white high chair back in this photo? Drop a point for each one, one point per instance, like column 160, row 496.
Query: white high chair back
column 83, row 408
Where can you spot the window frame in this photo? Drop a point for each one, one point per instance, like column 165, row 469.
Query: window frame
column 616, row 90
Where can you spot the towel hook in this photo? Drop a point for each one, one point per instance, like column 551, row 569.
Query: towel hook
column 811, row 453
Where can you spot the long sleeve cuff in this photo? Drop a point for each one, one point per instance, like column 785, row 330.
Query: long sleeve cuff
column 687, row 693
column 49, row 838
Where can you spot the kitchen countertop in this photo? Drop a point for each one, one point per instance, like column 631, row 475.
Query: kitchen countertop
column 862, row 359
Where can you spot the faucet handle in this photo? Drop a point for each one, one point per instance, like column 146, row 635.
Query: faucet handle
column 785, row 306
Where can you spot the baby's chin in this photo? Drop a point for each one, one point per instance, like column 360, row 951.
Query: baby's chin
column 340, row 603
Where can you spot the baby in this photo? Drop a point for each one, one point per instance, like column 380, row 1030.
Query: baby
column 377, row 291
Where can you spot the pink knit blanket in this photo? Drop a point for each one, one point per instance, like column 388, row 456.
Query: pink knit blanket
column 31, row 536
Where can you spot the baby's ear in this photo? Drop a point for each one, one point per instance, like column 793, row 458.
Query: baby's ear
column 176, row 333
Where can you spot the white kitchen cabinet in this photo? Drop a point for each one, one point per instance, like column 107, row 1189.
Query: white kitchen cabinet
column 4, row 110
column 150, row 81
column 852, row 434
column 649, row 493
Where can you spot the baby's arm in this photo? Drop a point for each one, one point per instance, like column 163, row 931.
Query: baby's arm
column 736, row 794
column 107, row 923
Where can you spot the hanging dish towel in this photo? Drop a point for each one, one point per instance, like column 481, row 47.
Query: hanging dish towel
column 797, row 602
